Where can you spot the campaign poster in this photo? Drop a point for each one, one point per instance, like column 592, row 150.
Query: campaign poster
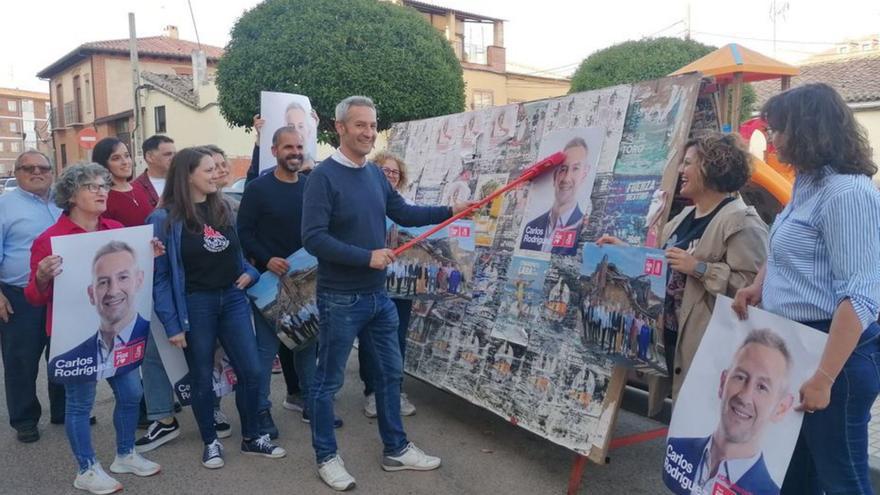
column 559, row 200
column 734, row 426
column 622, row 293
column 439, row 267
column 486, row 218
column 289, row 303
column 286, row 109
column 102, row 304
column 522, row 300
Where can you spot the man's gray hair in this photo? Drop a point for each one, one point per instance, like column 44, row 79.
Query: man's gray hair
column 73, row 178
column 113, row 247
column 768, row 338
column 295, row 106
column 20, row 158
column 576, row 142
column 352, row 101
column 287, row 129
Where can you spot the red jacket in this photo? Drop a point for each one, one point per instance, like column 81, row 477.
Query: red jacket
column 42, row 247
column 143, row 186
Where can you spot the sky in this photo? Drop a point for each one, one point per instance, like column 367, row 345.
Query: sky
column 546, row 35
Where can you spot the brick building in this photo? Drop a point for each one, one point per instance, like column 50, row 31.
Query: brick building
column 23, row 125
column 91, row 86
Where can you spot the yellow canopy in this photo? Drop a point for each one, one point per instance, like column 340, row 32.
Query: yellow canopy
column 730, row 59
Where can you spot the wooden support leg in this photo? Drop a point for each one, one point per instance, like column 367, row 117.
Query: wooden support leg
column 658, row 389
column 577, row 473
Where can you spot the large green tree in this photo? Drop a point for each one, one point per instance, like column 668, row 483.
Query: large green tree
column 643, row 60
column 331, row 49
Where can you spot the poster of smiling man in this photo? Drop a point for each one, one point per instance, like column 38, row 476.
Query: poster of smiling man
column 286, row 109
column 735, row 426
column 559, row 202
column 102, row 304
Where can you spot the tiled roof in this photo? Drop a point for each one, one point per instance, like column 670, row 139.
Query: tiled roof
column 438, row 8
column 178, row 86
column 856, row 79
column 156, row 46
column 161, row 46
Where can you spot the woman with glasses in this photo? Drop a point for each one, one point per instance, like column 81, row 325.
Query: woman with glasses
column 199, row 294
column 822, row 271
column 81, row 192
column 127, row 205
column 395, row 171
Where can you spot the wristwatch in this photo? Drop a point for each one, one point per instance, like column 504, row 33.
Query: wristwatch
column 700, row 270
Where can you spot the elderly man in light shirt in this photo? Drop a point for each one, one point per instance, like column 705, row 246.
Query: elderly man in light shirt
column 24, row 214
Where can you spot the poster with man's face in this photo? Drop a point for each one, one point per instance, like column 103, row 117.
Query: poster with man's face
column 102, row 302
column 559, row 200
column 734, row 425
column 286, row 109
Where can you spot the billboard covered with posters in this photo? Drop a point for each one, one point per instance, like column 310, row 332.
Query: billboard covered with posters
column 514, row 342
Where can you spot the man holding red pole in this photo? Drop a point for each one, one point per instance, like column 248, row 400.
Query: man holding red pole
column 346, row 201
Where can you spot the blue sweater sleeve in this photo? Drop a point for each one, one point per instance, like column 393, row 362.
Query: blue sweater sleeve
column 407, row 215
column 248, row 216
column 317, row 211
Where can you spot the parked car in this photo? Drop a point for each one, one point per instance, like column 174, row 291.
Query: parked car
column 236, row 190
column 8, row 184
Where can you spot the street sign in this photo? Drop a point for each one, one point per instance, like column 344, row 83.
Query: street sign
column 88, row 138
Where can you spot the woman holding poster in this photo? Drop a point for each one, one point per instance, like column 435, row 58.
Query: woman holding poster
column 199, row 296
column 822, row 271
column 81, row 191
column 715, row 247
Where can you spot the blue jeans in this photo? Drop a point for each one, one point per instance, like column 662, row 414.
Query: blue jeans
column 305, row 361
column 404, row 309
column 831, row 455
column 80, row 399
column 158, row 392
column 223, row 314
column 267, row 348
column 23, row 342
column 371, row 318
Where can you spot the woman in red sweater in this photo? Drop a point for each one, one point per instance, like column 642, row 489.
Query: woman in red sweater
column 81, row 191
column 125, row 204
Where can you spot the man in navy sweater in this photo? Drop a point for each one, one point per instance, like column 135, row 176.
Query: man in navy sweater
column 269, row 226
column 346, row 201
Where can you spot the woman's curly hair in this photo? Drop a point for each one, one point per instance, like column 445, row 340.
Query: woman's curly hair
column 726, row 163
column 818, row 129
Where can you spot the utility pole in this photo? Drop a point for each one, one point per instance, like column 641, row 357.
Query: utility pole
column 775, row 13
column 687, row 33
column 137, row 131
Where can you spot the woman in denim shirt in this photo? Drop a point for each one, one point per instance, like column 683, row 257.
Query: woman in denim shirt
column 198, row 294
column 823, row 271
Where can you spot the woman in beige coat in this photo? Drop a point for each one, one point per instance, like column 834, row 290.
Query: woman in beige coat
column 714, row 247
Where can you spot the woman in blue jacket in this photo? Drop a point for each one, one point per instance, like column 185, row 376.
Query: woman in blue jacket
column 199, row 295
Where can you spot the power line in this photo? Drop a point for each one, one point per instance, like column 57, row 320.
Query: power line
column 791, row 42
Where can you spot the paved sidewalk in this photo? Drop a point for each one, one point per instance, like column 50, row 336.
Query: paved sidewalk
column 482, row 454
column 874, row 432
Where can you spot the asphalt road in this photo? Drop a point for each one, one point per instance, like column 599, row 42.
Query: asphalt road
column 482, row 453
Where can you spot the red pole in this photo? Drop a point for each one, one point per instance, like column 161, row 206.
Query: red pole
column 527, row 175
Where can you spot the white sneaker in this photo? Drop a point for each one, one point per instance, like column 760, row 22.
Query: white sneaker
column 333, row 473
column 412, row 458
column 135, row 464
column 370, row 406
column 96, row 480
column 406, row 407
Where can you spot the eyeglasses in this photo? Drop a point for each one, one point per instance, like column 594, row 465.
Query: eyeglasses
column 391, row 172
column 95, row 188
column 34, row 169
